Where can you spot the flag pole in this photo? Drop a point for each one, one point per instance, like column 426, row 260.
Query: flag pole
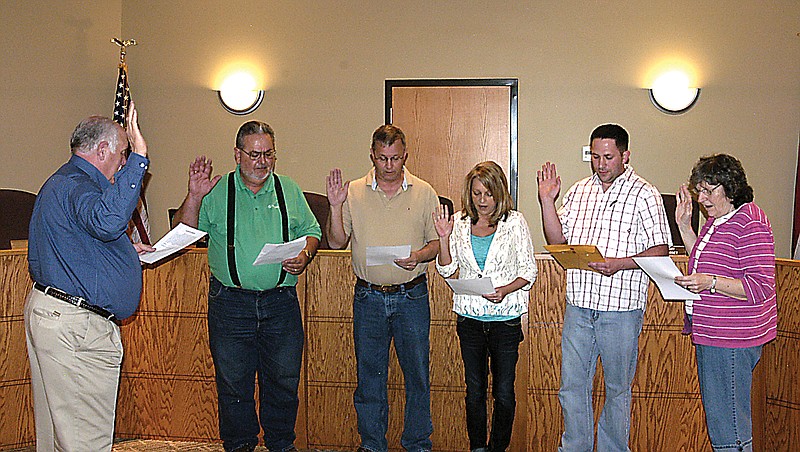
column 139, row 226
column 122, row 45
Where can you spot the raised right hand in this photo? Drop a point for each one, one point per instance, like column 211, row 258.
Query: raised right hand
column 335, row 189
column 683, row 207
column 200, row 180
column 549, row 182
column 443, row 221
column 135, row 138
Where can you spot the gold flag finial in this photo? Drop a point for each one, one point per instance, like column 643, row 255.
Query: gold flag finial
column 122, row 45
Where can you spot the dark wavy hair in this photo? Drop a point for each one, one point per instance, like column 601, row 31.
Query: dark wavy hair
column 494, row 179
column 725, row 170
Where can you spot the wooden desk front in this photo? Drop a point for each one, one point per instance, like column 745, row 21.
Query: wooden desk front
column 167, row 387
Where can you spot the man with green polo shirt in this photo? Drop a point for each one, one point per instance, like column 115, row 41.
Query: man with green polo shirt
column 254, row 322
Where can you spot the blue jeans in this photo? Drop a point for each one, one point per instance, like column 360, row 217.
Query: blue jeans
column 255, row 332
column 482, row 344
column 614, row 338
column 377, row 319
column 726, row 377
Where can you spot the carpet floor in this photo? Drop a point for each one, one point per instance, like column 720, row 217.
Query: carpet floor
column 137, row 445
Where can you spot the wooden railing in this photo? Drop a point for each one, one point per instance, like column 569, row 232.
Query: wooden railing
column 167, row 387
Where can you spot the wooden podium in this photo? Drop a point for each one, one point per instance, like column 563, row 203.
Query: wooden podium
column 167, row 387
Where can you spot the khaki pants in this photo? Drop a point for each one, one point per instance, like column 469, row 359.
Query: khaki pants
column 75, row 357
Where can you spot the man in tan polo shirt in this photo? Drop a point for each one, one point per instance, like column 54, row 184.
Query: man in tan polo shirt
column 389, row 206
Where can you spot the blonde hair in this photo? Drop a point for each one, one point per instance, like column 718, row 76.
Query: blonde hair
column 494, row 179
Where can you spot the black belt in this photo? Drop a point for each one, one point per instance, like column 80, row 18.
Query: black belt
column 392, row 288
column 73, row 300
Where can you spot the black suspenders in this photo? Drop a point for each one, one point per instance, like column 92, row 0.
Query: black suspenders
column 232, row 222
column 284, row 220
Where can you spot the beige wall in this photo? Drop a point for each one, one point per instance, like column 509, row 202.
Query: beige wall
column 57, row 65
column 579, row 64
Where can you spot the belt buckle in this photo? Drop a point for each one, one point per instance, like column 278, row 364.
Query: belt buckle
column 388, row 288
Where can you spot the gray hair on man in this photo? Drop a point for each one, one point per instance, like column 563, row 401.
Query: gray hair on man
column 253, row 128
column 92, row 131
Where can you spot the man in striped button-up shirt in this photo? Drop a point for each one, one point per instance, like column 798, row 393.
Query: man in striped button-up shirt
column 623, row 215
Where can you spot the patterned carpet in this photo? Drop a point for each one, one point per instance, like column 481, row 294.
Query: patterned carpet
column 138, row 445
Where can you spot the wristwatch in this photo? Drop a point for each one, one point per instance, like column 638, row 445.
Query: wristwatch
column 308, row 253
column 713, row 288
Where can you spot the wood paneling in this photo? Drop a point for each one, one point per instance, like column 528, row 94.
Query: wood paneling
column 780, row 366
column 167, row 368
column 16, row 402
column 167, row 387
column 330, row 401
column 330, row 278
column 167, row 406
column 667, row 423
column 329, row 349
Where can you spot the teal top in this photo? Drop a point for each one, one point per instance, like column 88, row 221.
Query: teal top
column 480, row 248
column 258, row 221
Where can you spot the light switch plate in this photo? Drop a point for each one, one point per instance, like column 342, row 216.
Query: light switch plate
column 586, row 154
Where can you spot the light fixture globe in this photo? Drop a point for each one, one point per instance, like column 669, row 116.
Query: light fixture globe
column 238, row 94
column 671, row 93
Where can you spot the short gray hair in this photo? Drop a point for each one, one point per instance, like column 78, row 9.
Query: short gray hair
column 253, row 128
column 91, row 131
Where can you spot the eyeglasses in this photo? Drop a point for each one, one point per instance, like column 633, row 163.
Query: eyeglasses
column 705, row 191
column 393, row 159
column 255, row 155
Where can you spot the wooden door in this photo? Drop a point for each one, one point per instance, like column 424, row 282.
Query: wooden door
column 451, row 125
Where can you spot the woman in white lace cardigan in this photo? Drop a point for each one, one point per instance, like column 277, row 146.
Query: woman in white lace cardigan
column 488, row 240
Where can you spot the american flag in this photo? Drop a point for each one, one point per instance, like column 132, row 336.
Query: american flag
column 122, row 99
column 139, row 226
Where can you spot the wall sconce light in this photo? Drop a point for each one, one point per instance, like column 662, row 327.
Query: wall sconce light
column 671, row 93
column 238, row 94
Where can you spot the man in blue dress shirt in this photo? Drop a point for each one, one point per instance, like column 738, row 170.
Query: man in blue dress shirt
column 87, row 277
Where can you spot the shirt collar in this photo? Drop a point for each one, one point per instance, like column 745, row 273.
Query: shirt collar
column 269, row 184
column 727, row 216
column 374, row 182
column 91, row 170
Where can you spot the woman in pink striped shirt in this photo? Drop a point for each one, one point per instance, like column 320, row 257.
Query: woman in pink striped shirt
column 732, row 268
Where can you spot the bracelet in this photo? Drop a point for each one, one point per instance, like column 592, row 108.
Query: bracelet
column 713, row 288
column 308, row 253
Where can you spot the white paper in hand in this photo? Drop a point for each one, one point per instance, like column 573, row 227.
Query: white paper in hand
column 479, row 286
column 385, row 255
column 275, row 253
column 173, row 241
column 663, row 271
